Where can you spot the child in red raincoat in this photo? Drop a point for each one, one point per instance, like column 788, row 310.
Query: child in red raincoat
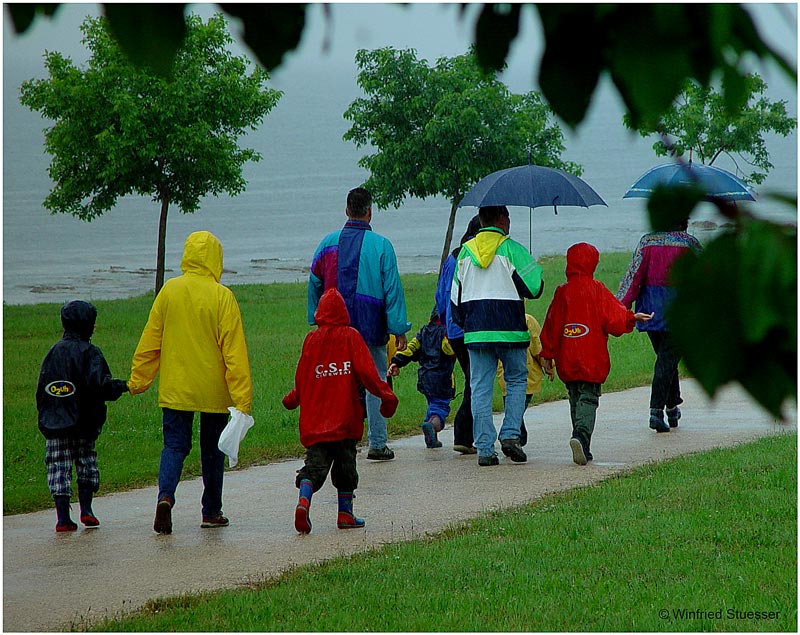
column 334, row 362
column 575, row 333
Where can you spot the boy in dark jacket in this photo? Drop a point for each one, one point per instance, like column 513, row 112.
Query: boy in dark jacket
column 575, row 333
column 431, row 348
column 74, row 384
column 334, row 363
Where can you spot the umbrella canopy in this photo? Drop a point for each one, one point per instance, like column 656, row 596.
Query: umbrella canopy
column 715, row 182
column 531, row 186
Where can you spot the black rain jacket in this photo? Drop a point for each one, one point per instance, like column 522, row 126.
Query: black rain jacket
column 75, row 381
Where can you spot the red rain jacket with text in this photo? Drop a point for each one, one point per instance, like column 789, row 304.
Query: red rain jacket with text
column 579, row 320
column 334, row 361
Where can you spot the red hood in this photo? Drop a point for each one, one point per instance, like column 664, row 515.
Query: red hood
column 331, row 310
column 582, row 259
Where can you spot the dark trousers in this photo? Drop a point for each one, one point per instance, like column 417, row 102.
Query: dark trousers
column 462, row 423
column 177, row 431
column 336, row 457
column 666, row 389
column 584, row 397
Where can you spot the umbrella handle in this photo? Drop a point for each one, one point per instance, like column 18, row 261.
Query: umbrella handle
column 555, row 207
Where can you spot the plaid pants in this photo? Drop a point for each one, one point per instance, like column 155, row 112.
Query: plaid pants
column 60, row 454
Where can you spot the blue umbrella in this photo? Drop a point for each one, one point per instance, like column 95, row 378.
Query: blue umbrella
column 715, row 182
column 531, row 186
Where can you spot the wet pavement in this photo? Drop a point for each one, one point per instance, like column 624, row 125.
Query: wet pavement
column 55, row 581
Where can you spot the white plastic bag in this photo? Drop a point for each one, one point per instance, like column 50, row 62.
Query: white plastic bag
column 233, row 434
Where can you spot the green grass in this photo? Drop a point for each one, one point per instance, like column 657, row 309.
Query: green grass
column 274, row 318
column 710, row 532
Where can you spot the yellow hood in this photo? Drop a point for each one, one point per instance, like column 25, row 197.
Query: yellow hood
column 195, row 339
column 202, row 255
column 484, row 246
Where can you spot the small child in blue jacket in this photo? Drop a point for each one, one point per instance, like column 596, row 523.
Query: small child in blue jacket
column 431, row 349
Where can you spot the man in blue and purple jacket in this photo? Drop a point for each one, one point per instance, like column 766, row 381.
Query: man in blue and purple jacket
column 363, row 267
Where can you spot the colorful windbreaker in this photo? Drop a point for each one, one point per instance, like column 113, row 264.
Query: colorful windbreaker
column 580, row 318
column 194, row 336
column 334, row 362
column 646, row 281
column 363, row 267
column 492, row 276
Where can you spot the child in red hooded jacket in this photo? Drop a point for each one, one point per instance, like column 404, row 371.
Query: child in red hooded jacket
column 575, row 333
column 334, row 363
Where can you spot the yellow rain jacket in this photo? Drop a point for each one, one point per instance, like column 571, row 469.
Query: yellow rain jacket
column 194, row 335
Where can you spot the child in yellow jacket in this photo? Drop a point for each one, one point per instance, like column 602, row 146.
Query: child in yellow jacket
column 535, row 371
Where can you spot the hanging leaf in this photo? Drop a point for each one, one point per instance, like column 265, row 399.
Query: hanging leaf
column 734, row 316
column 149, row 34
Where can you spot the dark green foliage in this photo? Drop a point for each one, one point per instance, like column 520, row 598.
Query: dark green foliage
column 648, row 49
column 735, row 315
column 150, row 34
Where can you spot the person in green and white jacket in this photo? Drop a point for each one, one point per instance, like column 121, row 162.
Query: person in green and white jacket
column 493, row 276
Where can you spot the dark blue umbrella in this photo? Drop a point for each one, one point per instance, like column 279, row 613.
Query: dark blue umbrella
column 531, row 186
column 715, row 182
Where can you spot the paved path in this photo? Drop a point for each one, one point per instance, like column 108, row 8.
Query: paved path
column 52, row 581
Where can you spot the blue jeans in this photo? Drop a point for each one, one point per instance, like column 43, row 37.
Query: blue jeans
column 377, row 433
column 437, row 406
column 177, row 429
column 482, row 371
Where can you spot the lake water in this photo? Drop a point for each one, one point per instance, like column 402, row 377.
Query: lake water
column 296, row 194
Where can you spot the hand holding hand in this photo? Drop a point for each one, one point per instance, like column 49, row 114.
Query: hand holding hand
column 402, row 342
column 393, row 371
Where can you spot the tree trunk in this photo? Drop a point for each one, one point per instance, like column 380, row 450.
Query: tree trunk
column 162, row 243
column 448, row 237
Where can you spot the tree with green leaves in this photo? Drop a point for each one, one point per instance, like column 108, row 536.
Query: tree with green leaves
column 120, row 129
column 699, row 124
column 437, row 130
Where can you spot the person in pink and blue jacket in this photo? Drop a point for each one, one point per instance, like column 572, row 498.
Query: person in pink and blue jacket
column 362, row 266
column 646, row 283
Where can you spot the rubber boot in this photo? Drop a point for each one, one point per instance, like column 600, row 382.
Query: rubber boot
column 657, row 422
column 673, row 414
column 88, row 518
column 302, row 522
column 347, row 519
column 64, row 522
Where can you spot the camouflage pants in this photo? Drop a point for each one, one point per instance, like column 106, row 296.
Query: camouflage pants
column 336, row 457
